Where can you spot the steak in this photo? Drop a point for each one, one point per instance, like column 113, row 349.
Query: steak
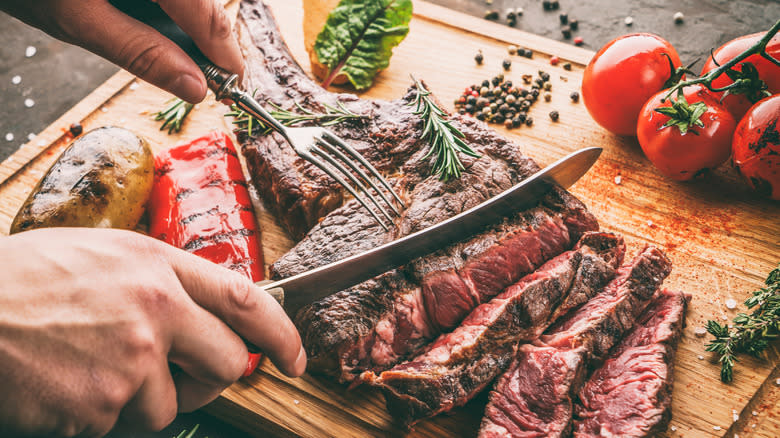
column 358, row 329
column 592, row 329
column 458, row 365
column 631, row 394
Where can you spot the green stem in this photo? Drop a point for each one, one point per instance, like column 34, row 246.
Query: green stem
column 759, row 47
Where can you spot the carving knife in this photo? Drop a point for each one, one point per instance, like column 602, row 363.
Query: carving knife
column 300, row 290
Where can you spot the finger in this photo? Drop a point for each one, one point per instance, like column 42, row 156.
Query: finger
column 204, row 347
column 154, row 406
column 136, row 47
column 208, row 25
column 246, row 308
column 193, row 394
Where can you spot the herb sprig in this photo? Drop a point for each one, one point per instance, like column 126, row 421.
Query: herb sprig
column 446, row 140
column 751, row 333
column 188, row 434
column 174, row 115
column 333, row 115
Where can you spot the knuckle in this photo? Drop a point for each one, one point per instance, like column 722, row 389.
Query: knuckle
column 140, row 57
column 141, row 342
column 114, row 398
column 242, row 295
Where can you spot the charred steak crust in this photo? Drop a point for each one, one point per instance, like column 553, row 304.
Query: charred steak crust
column 630, row 395
column 594, row 328
column 454, row 368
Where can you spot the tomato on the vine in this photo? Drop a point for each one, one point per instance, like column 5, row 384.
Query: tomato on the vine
column 623, row 75
column 756, row 147
column 696, row 138
column 738, row 104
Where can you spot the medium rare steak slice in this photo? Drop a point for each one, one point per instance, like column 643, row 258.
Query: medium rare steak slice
column 522, row 407
column 593, row 328
column 631, row 394
column 460, row 364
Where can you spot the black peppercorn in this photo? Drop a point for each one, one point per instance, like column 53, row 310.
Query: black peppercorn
column 481, row 116
column 529, row 121
column 564, row 18
column 76, row 129
column 498, row 118
column 554, row 5
column 567, row 66
column 486, row 83
column 539, row 82
column 566, row 31
column 535, row 93
column 547, row 5
column 511, row 23
column 471, row 100
column 516, row 122
column 491, row 15
column 469, row 109
column 544, row 75
column 554, row 115
column 495, row 81
column 507, row 64
column 574, row 24
column 521, row 116
column 575, row 97
column 462, row 111
column 503, row 108
column 529, row 53
column 479, row 58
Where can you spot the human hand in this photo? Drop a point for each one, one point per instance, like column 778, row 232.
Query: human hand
column 90, row 320
column 100, row 28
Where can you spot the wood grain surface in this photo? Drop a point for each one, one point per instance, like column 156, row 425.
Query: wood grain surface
column 722, row 239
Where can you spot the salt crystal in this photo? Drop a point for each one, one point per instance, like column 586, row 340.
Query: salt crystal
column 618, row 179
column 724, row 317
column 30, row 136
column 753, row 426
column 29, row 103
column 30, row 51
column 104, row 109
column 16, row 80
column 678, row 17
column 649, row 223
column 716, row 427
column 731, row 304
column 777, row 382
column 9, row 136
column 296, row 401
column 700, row 331
column 735, row 416
column 701, row 357
column 673, row 428
column 134, row 86
column 754, row 413
column 629, row 21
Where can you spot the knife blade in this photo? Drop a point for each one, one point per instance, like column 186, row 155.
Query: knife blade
column 305, row 288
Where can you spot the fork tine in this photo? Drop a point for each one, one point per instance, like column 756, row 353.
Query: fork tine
column 312, row 159
column 336, row 151
column 340, row 167
column 334, row 139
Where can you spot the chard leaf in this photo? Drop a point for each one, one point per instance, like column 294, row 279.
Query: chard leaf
column 359, row 37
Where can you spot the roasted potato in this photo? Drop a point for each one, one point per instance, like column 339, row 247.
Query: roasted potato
column 103, row 180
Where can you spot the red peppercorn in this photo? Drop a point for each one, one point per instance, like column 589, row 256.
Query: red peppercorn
column 554, row 60
column 475, row 93
column 578, row 41
column 462, row 99
column 468, row 91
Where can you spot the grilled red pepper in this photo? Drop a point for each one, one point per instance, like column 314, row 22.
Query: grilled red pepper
column 200, row 203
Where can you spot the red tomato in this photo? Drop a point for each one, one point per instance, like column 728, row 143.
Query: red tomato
column 756, row 147
column 683, row 156
column 738, row 104
column 622, row 76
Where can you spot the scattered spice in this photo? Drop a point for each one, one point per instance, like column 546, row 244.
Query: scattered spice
column 554, row 115
column 546, row 5
column 629, row 21
column 567, row 66
column 76, row 129
column 512, row 50
column 716, row 427
column 575, row 97
column 678, row 17
column 554, row 60
column 700, row 357
column 510, row 14
column 16, row 80
column 491, row 14
column 566, row 32
column 673, row 428
column 527, row 78
column 731, row 304
column 578, row 41
column 29, row 103
column 9, row 136
column 700, row 331
column 547, row 97
column 30, row 51
column 564, row 18
column 507, row 64
column 574, row 24
column 479, row 57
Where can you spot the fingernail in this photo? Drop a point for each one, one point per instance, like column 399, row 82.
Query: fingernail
column 251, row 365
column 189, row 88
column 300, row 363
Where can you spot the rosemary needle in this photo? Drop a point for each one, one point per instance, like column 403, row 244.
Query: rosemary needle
column 446, row 140
column 174, row 115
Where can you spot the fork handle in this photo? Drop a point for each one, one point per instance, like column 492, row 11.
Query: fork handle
column 224, row 84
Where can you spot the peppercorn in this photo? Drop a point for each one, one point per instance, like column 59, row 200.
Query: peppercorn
column 566, row 31
column 529, row 121
column 575, row 97
column 574, row 24
column 679, row 17
column 499, row 102
column 567, row 66
column 511, row 99
column 521, row 116
column 554, row 60
column 539, row 82
column 564, row 18
column 529, row 53
column 547, row 5
column 76, row 129
column 547, row 86
column 486, row 111
column 535, row 93
column 523, row 92
column 508, row 124
column 479, row 57
column 491, row 14
column 527, row 78
column 482, row 102
column 516, row 122
column 462, row 112
column 512, row 50
column 484, row 91
column 495, row 81
column 471, row 100
column 510, row 14
column 486, row 83
column 544, row 75
column 500, row 77
column 493, row 107
column 498, row 118
column 554, row 115
column 507, row 64
column 503, row 108
column 547, row 97
column 469, row 109
column 554, row 5
column 578, row 41
column 481, row 116
column 511, row 23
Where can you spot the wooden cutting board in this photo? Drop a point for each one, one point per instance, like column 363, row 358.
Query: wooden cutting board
column 722, row 239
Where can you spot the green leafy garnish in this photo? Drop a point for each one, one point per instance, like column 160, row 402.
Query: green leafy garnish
column 359, row 36
column 682, row 114
column 174, row 115
column 190, row 434
column 446, row 140
column 751, row 333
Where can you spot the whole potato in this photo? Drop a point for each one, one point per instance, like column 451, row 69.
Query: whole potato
column 102, row 180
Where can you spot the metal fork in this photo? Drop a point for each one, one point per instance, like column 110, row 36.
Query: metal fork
column 316, row 145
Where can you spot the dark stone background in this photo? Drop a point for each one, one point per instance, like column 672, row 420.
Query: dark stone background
column 60, row 75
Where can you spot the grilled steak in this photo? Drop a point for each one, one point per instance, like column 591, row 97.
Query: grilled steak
column 593, row 328
column 534, row 398
column 460, row 364
column 356, row 329
column 631, row 394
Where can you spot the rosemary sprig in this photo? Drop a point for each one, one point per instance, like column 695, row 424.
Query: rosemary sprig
column 446, row 140
column 333, row 115
column 190, row 434
column 750, row 333
column 174, row 115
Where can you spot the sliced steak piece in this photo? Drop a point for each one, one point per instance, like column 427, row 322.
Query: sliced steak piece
column 631, row 394
column 458, row 365
column 534, row 398
column 593, row 328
